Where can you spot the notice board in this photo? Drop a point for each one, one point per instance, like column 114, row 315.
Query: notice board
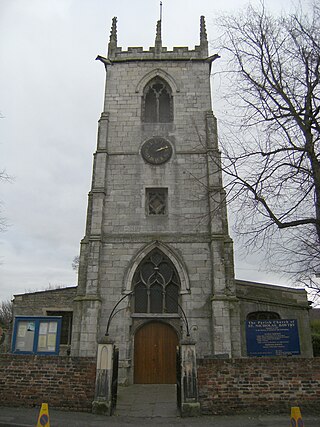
column 36, row 335
column 272, row 337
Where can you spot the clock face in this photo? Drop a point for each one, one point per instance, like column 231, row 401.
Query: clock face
column 156, row 150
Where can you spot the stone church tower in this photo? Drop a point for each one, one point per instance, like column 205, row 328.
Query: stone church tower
column 156, row 233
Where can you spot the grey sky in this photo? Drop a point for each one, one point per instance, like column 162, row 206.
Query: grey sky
column 51, row 93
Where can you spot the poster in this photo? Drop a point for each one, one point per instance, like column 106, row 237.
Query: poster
column 53, row 327
column 22, row 330
column 43, row 328
column 52, row 340
column 42, row 342
column 31, row 326
column 20, row 345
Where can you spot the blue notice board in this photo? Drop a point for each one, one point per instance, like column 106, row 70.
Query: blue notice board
column 272, row 338
column 36, row 335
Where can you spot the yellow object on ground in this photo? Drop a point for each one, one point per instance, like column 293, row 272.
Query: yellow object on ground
column 296, row 418
column 43, row 419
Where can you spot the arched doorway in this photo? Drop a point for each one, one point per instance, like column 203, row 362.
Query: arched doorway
column 155, row 354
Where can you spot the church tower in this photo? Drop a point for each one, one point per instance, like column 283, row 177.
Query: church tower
column 156, row 262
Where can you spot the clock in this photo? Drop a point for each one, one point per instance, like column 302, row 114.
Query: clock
column 156, row 150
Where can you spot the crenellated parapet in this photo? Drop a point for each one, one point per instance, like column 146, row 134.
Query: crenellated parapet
column 157, row 52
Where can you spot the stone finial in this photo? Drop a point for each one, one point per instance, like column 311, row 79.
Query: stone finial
column 203, row 35
column 113, row 38
column 203, row 31
column 158, row 42
column 113, row 32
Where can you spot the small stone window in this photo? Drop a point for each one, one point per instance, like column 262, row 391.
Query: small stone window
column 157, row 102
column 156, row 285
column 263, row 315
column 156, row 201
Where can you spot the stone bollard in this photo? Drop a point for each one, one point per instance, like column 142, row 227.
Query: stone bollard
column 190, row 406
column 102, row 403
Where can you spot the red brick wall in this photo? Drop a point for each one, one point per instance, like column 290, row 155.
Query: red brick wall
column 259, row 384
column 225, row 386
column 62, row 382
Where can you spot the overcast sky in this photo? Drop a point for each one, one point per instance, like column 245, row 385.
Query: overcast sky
column 51, row 94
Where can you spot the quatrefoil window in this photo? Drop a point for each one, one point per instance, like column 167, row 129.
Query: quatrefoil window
column 157, row 201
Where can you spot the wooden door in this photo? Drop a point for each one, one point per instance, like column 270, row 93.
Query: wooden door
column 155, row 354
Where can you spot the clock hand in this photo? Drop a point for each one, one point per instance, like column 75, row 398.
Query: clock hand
column 162, row 148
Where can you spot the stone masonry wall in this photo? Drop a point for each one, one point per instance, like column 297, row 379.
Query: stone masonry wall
column 118, row 225
column 36, row 303
column 270, row 385
column 62, row 382
column 288, row 303
column 128, row 175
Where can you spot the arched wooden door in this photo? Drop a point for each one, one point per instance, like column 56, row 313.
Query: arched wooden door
column 155, row 354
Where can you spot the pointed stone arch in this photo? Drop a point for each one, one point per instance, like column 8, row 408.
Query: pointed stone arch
column 170, row 253
column 157, row 73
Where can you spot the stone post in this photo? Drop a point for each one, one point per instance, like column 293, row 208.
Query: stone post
column 102, row 403
column 190, row 406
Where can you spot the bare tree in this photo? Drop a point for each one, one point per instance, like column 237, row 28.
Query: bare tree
column 3, row 223
column 6, row 310
column 75, row 263
column 270, row 153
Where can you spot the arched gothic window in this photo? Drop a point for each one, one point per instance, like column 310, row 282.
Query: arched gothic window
column 157, row 102
column 263, row 315
column 156, row 285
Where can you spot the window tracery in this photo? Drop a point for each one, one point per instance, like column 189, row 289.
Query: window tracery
column 156, row 201
column 263, row 315
column 157, row 102
column 156, row 285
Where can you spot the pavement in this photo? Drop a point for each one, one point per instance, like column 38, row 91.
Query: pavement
column 144, row 405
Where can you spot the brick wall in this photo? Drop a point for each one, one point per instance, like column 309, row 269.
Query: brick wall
column 62, row 382
column 268, row 385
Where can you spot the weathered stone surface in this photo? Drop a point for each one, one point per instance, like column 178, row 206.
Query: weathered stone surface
column 194, row 232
